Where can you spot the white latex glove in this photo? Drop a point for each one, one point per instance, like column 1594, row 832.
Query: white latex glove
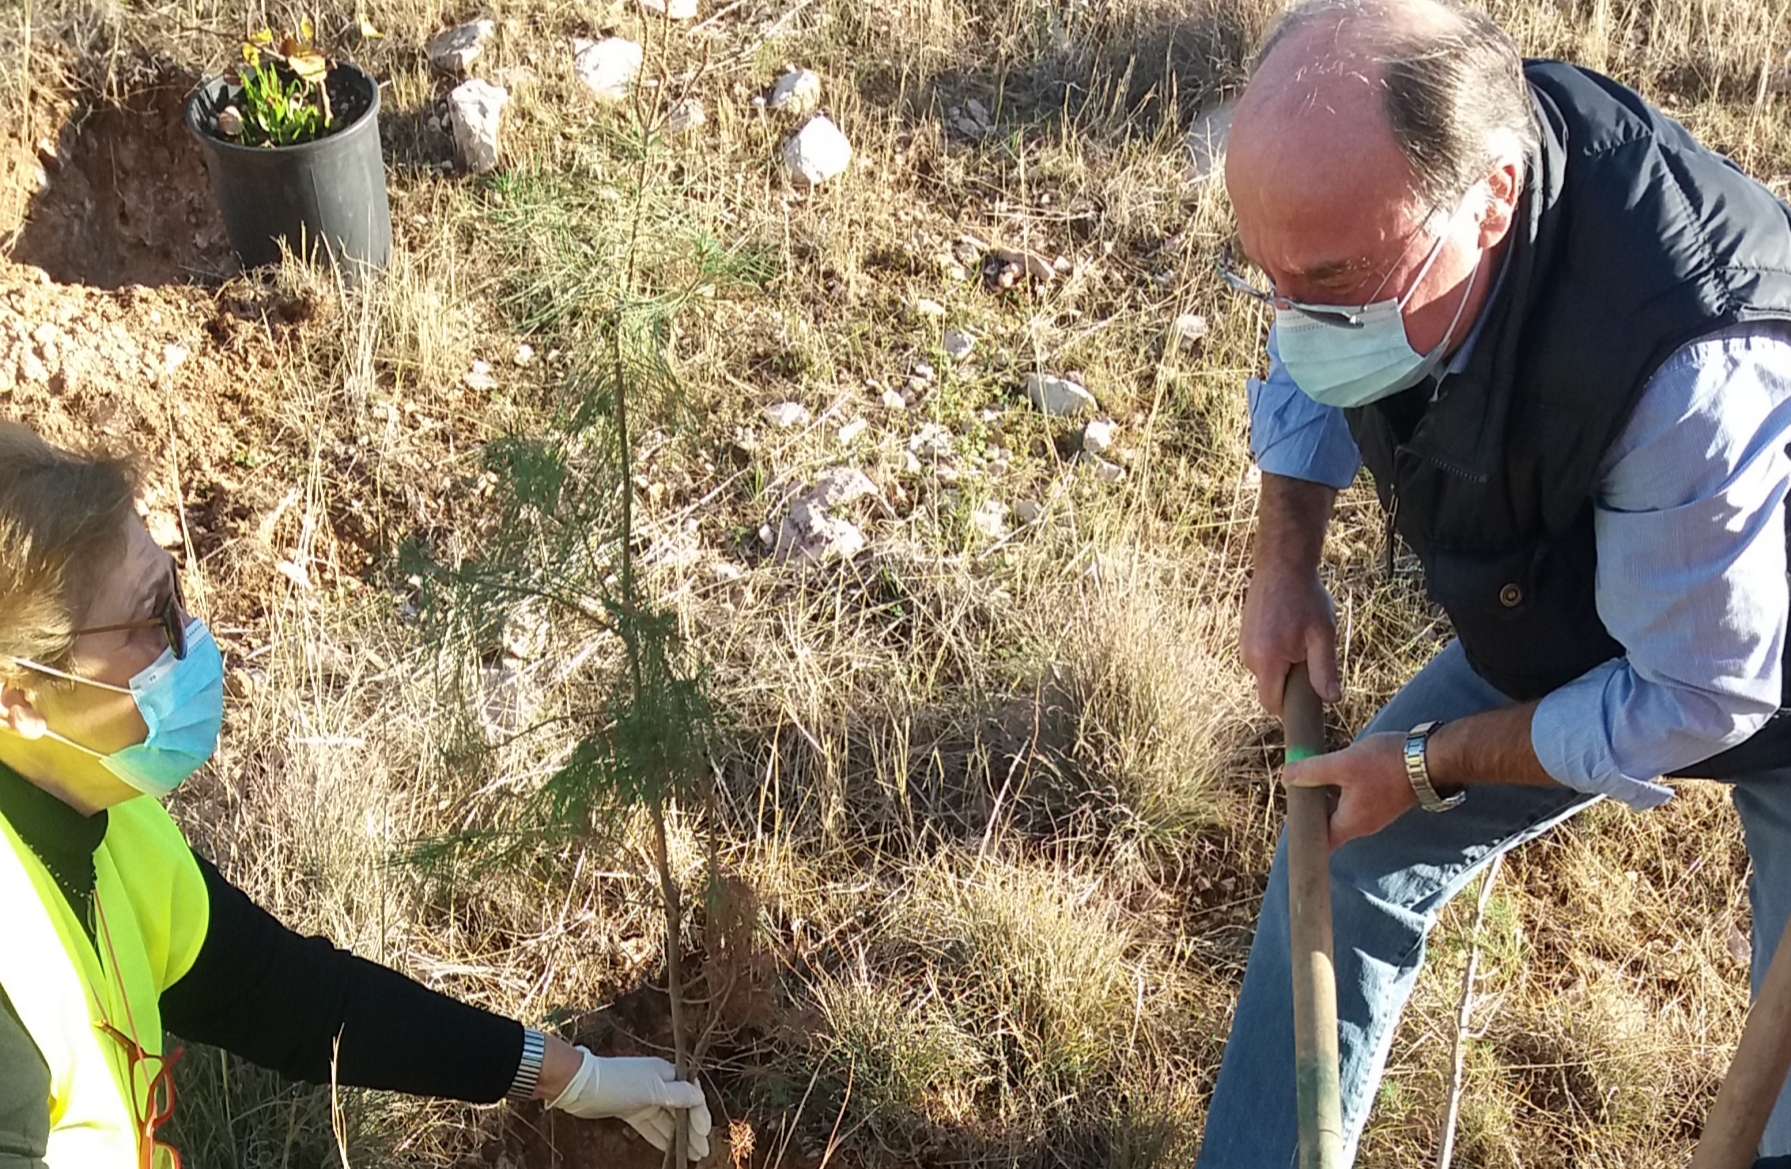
column 645, row 1092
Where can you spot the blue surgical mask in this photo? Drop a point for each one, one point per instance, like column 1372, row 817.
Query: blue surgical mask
column 182, row 703
column 1344, row 364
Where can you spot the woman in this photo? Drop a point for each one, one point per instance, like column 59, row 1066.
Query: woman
column 111, row 694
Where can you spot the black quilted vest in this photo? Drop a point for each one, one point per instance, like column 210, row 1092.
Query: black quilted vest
column 1631, row 240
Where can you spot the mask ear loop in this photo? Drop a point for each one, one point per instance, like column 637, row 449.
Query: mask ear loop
column 66, row 676
column 1436, row 253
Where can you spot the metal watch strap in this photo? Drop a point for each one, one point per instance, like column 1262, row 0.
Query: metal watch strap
column 528, row 1070
column 1417, row 770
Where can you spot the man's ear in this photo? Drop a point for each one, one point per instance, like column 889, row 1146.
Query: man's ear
column 1504, row 187
column 19, row 713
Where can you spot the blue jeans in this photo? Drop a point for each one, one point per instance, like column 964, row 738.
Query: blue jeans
column 1386, row 891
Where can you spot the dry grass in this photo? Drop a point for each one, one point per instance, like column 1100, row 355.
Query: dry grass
column 992, row 809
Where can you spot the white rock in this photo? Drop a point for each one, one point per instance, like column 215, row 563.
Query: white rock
column 787, row 414
column 926, row 307
column 453, row 50
column 894, row 401
column 924, row 371
column 173, row 357
column 608, row 66
column 1104, row 471
column 932, row 440
column 838, row 487
column 479, row 377
column 797, row 91
column 1097, row 436
column 1028, row 511
column 687, row 115
column 852, row 431
column 1189, row 329
column 675, row 9
column 990, row 518
column 1056, row 395
column 475, row 110
column 230, row 121
column 817, row 152
column 810, row 535
column 525, row 353
column 164, row 528
column 958, row 344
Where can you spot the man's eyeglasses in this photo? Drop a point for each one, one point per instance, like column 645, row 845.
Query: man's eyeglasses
column 1328, row 314
column 171, row 617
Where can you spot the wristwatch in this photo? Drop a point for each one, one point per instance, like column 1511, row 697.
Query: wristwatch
column 528, row 1069
column 1417, row 771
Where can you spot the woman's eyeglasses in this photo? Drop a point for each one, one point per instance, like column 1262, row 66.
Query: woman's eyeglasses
column 158, row 1109
column 1328, row 314
column 171, row 617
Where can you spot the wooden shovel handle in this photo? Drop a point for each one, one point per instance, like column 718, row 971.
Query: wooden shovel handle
column 1309, row 922
column 1756, row 1075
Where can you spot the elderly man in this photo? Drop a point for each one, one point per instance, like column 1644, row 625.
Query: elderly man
column 1553, row 326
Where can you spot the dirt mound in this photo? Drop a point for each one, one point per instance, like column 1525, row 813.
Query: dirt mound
column 122, row 197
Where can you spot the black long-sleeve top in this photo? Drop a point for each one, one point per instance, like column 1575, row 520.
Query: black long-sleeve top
column 263, row 992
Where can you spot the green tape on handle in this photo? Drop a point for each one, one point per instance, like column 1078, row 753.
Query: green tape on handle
column 1295, row 754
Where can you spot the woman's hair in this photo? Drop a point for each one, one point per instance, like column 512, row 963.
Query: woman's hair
column 62, row 518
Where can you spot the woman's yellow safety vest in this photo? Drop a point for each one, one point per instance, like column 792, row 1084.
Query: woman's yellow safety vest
column 86, row 1003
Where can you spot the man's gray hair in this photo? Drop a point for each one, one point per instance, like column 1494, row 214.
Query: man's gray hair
column 1454, row 91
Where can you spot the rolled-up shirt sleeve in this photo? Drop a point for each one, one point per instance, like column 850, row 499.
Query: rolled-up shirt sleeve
column 1691, row 574
column 1294, row 436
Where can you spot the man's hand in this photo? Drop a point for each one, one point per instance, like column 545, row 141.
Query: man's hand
column 1288, row 616
column 1288, row 619
column 1369, row 774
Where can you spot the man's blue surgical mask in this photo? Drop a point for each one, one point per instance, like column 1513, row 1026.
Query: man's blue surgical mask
column 182, row 703
column 1352, row 362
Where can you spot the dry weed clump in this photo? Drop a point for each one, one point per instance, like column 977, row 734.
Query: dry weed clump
column 994, row 808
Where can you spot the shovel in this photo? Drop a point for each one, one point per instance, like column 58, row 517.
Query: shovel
column 1309, row 927
column 1732, row 1131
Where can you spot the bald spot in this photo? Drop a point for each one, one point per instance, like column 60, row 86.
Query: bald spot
column 1314, row 171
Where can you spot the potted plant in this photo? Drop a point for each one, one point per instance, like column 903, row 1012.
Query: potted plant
column 292, row 145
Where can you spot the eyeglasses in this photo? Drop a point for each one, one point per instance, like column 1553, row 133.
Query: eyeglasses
column 158, row 1109
column 1328, row 314
column 171, row 617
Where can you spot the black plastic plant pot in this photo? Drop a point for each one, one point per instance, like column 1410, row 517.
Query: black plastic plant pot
column 323, row 199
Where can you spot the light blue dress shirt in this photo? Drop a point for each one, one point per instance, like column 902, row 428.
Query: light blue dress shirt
column 1691, row 557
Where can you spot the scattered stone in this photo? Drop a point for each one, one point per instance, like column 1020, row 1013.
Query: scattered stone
column 838, row 487
column 164, row 528
column 979, row 112
column 672, row 9
column 31, row 367
column 1028, row 511
column 852, row 431
column 797, row 91
column 525, row 353
column 924, row 371
column 173, row 357
column 230, row 122
column 475, row 109
column 894, row 401
column 990, row 518
column 1031, row 264
column 809, row 535
column 608, row 66
column 931, row 440
column 1097, row 436
column 687, row 115
column 968, row 249
column 1190, row 329
column 1058, row 396
column 479, row 377
column 787, row 414
column 817, row 152
column 1104, row 471
column 1206, row 141
column 455, row 49
column 958, row 344
column 928, row 308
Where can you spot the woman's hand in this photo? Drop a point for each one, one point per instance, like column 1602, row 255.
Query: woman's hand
column 644, row 1092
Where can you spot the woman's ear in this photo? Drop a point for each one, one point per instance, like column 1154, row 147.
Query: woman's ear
column 19, row 713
